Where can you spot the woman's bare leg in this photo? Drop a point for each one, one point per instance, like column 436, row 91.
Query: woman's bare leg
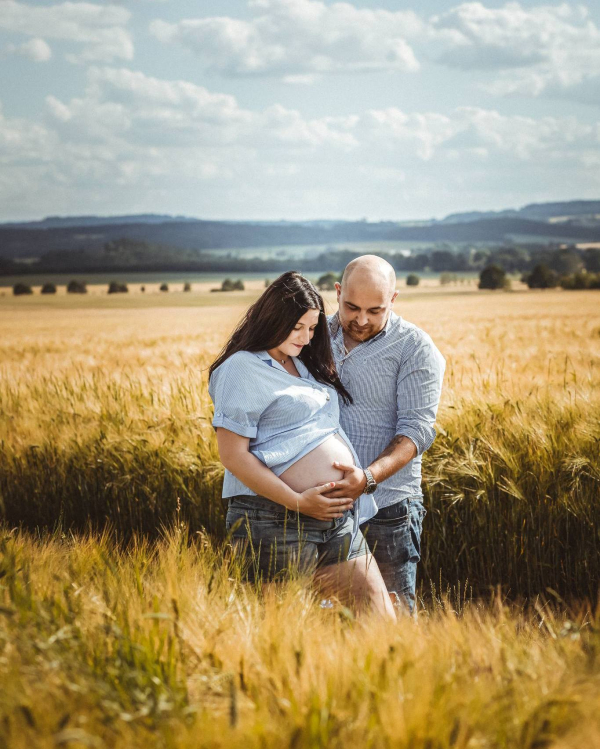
column 357, row 582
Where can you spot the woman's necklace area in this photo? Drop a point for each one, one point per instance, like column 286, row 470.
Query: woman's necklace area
column 324, row 390
column 283, row 361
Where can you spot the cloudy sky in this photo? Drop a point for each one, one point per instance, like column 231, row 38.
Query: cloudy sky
column 296, row 109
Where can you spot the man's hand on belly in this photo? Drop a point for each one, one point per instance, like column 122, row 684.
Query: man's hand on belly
column 353, row 483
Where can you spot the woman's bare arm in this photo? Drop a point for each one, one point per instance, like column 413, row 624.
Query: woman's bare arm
column 236, row 457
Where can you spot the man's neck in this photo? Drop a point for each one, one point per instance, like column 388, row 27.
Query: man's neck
column 349, row 343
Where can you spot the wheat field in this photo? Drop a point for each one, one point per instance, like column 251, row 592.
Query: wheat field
column 124, row 620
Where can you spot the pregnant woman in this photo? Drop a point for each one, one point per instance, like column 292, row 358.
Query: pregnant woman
column 275, row 392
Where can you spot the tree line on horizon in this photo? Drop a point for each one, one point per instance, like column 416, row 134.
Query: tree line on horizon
column 127, row 255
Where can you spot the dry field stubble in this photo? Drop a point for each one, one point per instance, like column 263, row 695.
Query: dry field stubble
column 104, row 414
column 164, row 646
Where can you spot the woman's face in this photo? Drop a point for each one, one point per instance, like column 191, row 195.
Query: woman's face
column 302, row 333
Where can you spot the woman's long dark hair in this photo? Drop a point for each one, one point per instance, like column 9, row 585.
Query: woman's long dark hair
column 270, row 320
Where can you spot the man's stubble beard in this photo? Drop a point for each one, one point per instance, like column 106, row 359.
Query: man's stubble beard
column 358, row 336
column 366, row 336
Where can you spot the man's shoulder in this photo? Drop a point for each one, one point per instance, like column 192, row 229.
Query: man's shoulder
column 406, row 331
column 414, row 339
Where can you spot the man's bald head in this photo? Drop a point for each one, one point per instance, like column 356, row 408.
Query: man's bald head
column 366, row 295
column 371, row 270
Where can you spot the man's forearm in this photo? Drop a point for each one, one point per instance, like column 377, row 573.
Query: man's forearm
column 396, row 455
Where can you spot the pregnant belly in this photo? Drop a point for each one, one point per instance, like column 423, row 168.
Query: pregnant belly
column 316, row 467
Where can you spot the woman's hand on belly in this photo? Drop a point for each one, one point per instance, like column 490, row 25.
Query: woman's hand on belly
column 311, row 502
column 314, row 474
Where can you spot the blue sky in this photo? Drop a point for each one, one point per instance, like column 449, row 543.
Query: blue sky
column 296, row 109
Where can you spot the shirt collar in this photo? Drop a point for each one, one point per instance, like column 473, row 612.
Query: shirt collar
column 266, row 356
column 392, row 317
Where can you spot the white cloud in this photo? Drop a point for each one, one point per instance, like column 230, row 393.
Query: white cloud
column 299, row 39
column 152, row 144
column 543, row 49
column 476, row 132
column 181, row 114
column 22, row 139
column 97, row 30
column 36, row 50
column 125, row 106
column 422, row 133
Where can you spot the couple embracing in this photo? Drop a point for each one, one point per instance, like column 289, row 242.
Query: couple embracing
column 321, row 424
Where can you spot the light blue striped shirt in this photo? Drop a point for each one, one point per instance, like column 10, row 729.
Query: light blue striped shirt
column 284, row 417
column 395, row 380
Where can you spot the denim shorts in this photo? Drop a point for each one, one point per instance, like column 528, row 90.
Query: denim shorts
column 277, row 541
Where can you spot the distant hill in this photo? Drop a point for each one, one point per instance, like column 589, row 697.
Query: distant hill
column 63, row 222
column 558, row 222
column 533, row 211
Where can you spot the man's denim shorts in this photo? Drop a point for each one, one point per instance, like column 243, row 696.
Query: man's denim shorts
column 277, row 540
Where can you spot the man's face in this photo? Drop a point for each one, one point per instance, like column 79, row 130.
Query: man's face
column 364, row 306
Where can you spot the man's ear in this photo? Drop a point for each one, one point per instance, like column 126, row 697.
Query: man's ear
column 338, row 288
column 394, row 295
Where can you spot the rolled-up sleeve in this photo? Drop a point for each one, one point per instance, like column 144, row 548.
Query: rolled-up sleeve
column 233, row 389
column 419, row 388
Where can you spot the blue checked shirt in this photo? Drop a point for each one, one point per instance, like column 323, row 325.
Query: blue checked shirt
column 284, row 417
column 395, row 379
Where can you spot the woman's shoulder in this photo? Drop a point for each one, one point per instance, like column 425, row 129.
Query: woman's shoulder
column 244, row 356
column 239, row 362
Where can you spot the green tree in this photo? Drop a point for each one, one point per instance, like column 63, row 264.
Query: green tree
column 542, row 277
column 412, row 279
column 591, row 258
column 492, row 277
column 566, row 261
column 327, row 281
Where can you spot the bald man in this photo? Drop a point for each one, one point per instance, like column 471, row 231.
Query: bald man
column 394, row 373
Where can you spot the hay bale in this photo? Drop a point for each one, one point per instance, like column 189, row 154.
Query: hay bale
column 77, row 287
column 22, row 288
column 115, row 287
